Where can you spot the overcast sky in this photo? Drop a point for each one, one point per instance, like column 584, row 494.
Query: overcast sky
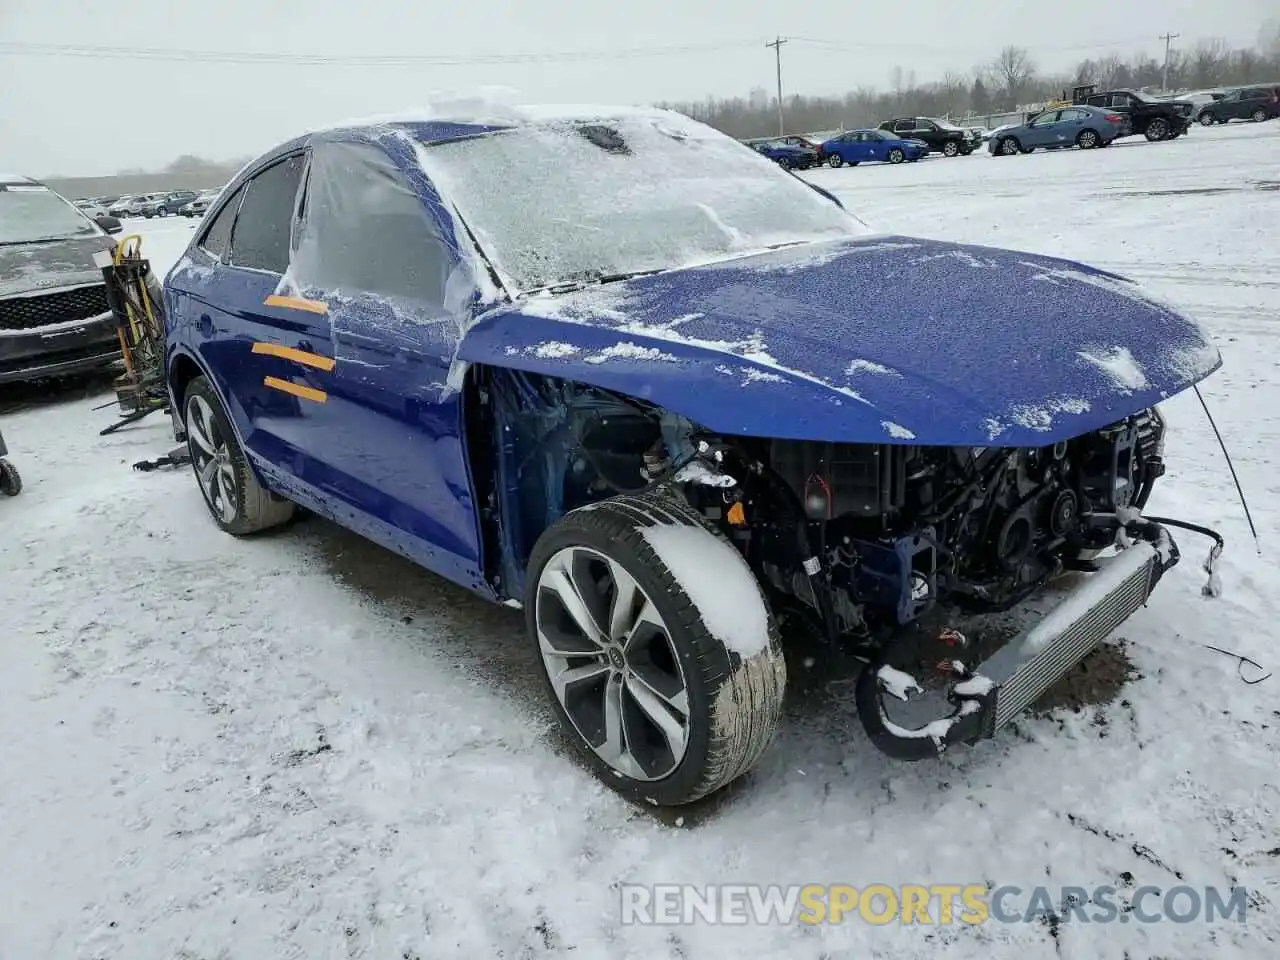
column 79, row 115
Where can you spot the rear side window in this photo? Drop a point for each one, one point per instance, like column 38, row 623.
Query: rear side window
column 364, row 229
column 217, row 238
column 260, row 239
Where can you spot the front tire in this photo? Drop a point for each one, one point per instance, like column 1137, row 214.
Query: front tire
column 835, row 161
column 1157, row 129
column 896, row 155
column 162, row 212
column 1206, row 119
column 238, row 503
column 951, row 149
column 1009, row 147
column 632, row 638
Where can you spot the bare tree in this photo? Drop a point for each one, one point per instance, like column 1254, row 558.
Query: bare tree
column 1014, row 69
column 1208, row 62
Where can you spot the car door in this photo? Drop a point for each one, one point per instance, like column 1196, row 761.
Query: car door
column 394, row 464
column 1070, row 122
column 1232, row 107
column 1041, row 132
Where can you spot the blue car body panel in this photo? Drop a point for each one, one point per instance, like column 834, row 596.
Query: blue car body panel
column 992, row 348
column 874, row 150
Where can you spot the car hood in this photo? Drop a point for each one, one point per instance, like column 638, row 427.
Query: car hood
column 27, row 268
column 883, row 339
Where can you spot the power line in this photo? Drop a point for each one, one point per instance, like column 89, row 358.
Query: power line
column 952, row 49
column 372, row 60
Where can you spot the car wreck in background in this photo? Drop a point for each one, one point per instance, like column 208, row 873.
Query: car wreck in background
column 610, row 366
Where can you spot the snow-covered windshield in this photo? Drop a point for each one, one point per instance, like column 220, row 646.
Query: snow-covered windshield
column 582, row 200
column 30, row 213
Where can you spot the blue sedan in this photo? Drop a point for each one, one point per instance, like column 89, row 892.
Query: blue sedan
column 1082, row 126
column 864, row 146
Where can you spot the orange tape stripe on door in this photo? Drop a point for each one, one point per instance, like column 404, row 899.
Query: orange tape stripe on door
column 297, row 356
column 306, row 393
column 296, row 303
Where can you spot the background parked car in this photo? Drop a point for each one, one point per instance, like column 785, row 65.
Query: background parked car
column 786, row 152
column 120, row 206
column 941, row 136
column 1083, row 127
column 865, row 146
column 91, row 209
column 166, row 203
column 54, row 312
column 1247, row 103
column 200, row 205
column 1153, row 118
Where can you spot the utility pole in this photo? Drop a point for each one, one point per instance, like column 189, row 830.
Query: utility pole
column 777, row 53
column 1168, row 39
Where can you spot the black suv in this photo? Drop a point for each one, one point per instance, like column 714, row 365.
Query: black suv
column 1154, row 119
column 942, row 137
column 1247, row 103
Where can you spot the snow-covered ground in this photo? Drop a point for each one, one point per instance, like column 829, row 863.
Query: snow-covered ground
column 299, row 746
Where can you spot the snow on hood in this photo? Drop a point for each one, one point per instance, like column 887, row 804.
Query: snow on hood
column 991, row 347
column 27, row 268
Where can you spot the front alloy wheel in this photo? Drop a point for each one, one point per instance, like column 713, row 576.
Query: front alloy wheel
column 896, row 155
column 951, row 149
column 1157, row 129
column 1206, row 119
column 835, row 161
column 667, row 698
column 1009, row 146
column 613, row 667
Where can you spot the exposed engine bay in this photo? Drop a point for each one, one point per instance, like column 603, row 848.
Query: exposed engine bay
column 868, row 537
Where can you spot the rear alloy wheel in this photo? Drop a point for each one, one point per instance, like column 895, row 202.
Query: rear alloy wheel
column 1206, row 119
column 1259, row 115
column 1009, row 147
column 951, row 149
column 1158, row 129
column 835, row 161
column 1088, row 139
column 238, row 503
column 896, row 155
column 640, row 674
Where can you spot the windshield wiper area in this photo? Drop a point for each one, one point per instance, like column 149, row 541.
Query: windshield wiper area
column 588, row 278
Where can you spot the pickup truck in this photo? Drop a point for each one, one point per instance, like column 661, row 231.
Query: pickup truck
column 942, row 137
column 1154, row 119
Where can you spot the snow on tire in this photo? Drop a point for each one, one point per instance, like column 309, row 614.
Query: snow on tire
column 660, row 654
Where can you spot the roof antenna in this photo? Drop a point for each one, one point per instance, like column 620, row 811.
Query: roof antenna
column 1234, row 476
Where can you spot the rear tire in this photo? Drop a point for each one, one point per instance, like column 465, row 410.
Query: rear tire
column 1088, row 139
column 693, row 713
column 10, row 479
column 1259, row 115
column 238, row 503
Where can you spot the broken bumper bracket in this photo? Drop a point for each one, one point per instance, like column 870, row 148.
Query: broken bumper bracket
column 1016, row 674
